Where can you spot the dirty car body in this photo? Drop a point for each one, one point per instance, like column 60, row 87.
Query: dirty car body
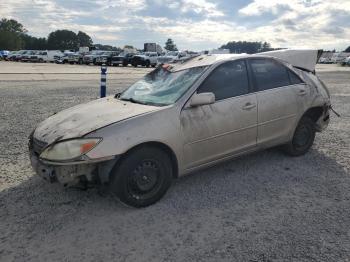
column 212, row 108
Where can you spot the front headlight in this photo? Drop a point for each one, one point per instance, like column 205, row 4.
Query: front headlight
column 70, row 149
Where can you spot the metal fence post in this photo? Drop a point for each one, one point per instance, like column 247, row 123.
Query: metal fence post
column 103, row 81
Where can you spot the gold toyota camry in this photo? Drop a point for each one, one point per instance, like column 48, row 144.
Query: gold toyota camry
column 182, row 117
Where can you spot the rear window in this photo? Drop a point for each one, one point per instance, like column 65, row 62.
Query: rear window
column 294, row 79
column 269, row 74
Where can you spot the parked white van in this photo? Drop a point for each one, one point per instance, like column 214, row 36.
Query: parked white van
column 48, row 55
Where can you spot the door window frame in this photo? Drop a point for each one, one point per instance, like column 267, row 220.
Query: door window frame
column 253, row 79
column 249, row 79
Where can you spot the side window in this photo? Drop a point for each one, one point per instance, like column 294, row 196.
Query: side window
column 269, row 74
column 294, row 79
column 227, row 80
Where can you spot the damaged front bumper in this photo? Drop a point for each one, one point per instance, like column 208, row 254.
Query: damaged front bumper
column 70, row 173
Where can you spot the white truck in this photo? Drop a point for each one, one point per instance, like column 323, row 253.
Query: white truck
column 48, row 55
column 173, row 56
column 146, row 59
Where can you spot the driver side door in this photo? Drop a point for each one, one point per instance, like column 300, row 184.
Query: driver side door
column 226, row 127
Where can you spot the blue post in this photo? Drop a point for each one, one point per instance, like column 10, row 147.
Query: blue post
column 103, row 81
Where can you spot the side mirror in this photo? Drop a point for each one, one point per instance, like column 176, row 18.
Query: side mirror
column 202, row 99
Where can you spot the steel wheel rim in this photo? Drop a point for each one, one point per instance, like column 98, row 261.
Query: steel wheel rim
column 302, row 137
column 145, row 179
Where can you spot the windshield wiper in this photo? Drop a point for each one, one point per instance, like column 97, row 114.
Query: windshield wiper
column 132, row 100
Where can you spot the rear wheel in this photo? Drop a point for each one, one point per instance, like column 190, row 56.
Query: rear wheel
column 142, row 177
column 303, row 138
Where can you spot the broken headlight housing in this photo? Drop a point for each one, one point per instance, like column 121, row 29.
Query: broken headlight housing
column 72, row 149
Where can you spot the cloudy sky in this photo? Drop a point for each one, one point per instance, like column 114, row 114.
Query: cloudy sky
column 193, row 24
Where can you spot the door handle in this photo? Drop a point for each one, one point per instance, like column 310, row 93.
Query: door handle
column 248, row 106
column 302, row 92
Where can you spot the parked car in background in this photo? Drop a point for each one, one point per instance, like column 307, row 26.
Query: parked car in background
column 47, row 55
column 27, row 55
column 123, row 59
column 4, row 54
column 325, row 60
column 172, row 56
column 183, row 117
column 346, row 61
column 91, row 57
column 12, row 55
column 146, row 59
column 105, row 58
column 67, row 57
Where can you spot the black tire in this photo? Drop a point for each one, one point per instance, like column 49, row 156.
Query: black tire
column 303, row 138
column 134, row 64
column 125, row 64
column 142, row 177
column 148, row 63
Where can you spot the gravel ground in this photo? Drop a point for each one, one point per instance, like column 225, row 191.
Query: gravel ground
column 261, row 207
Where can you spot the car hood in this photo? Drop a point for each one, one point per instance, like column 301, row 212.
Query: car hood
column 85, row 118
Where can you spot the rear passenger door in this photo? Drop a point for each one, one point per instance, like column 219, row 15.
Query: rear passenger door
column 280, row 95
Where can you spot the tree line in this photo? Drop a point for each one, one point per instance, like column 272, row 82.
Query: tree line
column 248, row 47
column 13, row 36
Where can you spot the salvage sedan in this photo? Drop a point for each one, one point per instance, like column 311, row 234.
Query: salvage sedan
column 183, row 117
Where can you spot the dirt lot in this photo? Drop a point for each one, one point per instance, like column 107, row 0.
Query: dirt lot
column 262, row 207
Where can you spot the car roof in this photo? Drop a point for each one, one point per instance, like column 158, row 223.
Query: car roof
column 206, row 60
column 305, row 59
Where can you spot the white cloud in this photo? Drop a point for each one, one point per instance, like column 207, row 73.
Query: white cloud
column 201, row 6
column 294, row 23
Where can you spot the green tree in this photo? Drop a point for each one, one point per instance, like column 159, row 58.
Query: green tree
column 128, row 47
column 11, row 34
column 106, row 47
column 170, row 45
column 10, row 41
column 63, row 39
column 11, row 25
column 243, row 47
column 347, row 49
column 84, row 39
column 266, row 47
column 34, row 43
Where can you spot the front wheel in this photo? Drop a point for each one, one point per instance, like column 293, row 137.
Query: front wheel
column 303, row 138
column 142, row 177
